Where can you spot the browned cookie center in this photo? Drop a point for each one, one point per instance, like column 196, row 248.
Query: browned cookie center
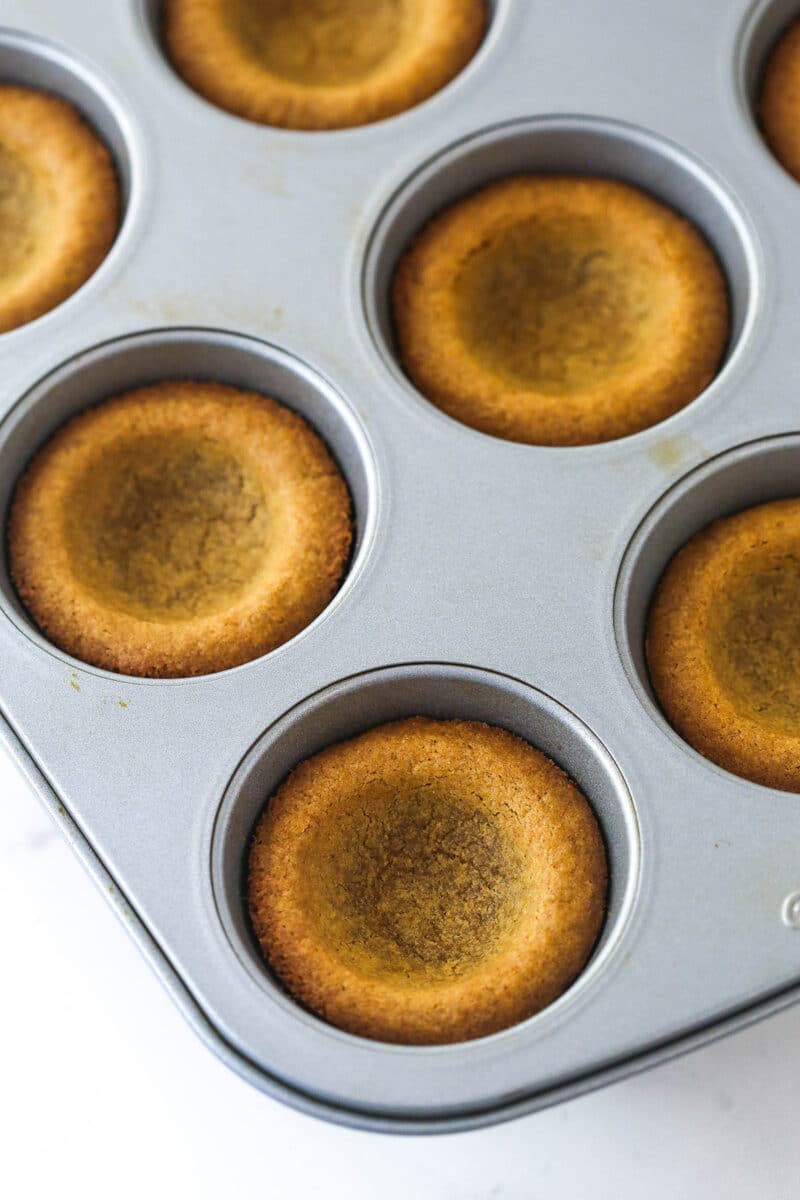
column 412, row 882
column 24, row 211
column 321, row 42
column 555, row 302
column 754, row 638
column 166, row 526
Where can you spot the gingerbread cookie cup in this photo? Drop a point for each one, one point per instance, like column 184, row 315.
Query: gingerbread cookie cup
column 560, row 310
column 427, row 881
column 309, row 64
column 179, row 529
column 779, row 101
column 723, row 643
column 59, row 203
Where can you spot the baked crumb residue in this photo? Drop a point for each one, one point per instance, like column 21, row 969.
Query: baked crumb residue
column 179, row 529
column 723, row 643
column 428, row 881
column 560, row 310
column 315, row 64
column 59, row 203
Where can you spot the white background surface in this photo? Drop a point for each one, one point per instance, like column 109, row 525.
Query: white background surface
column 106, row 1091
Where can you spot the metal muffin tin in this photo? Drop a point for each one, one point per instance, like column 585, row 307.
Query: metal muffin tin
column 491, row 580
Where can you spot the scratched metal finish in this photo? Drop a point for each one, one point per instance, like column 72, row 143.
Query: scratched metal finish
column 495, row 580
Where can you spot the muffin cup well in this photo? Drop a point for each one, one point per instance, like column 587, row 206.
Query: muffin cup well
column 440, row 691
column 562, row 146
column 145, row 358
column 151, row 15
column 762, row 30
column 35, row 63
column 768, row 469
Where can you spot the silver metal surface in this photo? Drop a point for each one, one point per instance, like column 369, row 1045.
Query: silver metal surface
column 491, row 579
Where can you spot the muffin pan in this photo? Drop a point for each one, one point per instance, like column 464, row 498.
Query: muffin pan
column 490, row 580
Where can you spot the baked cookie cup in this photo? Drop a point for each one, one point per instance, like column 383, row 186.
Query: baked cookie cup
column 560, row 310
column 59, row 203
column 723, row 643
column 314, row 64
column 427, row 882
column 179, row 529
column 779, row 101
